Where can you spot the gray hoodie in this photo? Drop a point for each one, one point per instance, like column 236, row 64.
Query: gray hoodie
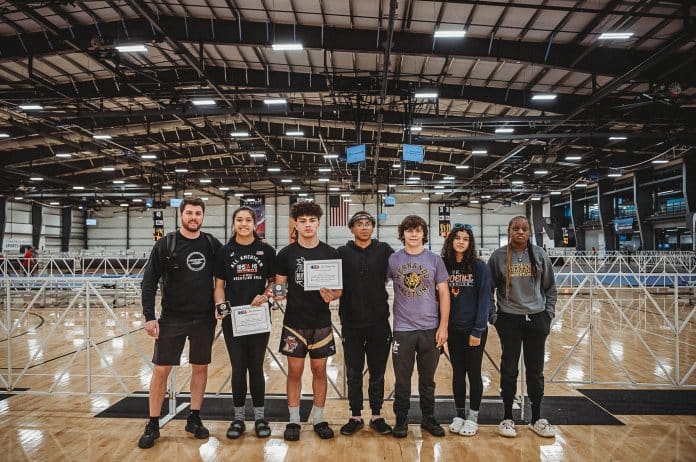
column 527, row 295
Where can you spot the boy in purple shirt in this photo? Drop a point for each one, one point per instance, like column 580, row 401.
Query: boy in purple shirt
column 420, row 325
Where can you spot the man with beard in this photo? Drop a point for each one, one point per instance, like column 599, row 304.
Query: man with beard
column 183, row 260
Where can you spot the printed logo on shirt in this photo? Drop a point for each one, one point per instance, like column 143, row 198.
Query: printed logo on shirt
column 457, row 280
column 413, row 277
column 521, row 270
column 259, row 252
column 299, row 272
column 247, row 267
column 195, row 261
column 395, row 347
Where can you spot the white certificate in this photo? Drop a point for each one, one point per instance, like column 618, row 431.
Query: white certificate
column 323, row 273
column 247, row 320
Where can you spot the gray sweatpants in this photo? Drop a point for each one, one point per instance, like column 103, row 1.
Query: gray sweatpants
column 418, row 345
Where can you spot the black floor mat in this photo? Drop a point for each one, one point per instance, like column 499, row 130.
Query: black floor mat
column 216, row 408
column 644, row 402
column 559, row 410
column 4, row 396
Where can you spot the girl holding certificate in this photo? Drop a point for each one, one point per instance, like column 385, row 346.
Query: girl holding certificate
column 244, row 273
column 470, row 301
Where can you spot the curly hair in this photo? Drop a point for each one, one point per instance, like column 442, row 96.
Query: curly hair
column 411, row 222
column 306, row 208
column 450, row 256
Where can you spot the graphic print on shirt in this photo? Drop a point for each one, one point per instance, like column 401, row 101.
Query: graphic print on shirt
column 195, row 261
column 299, row 272
column 521, row 270
column 246, row 267
column 457, row 280
column 413, row 276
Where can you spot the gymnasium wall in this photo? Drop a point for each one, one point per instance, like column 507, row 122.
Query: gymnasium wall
column 119, row 228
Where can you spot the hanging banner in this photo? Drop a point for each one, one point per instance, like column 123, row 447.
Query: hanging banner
column 258, row 205
column 443, row 213
column 355, row 154
column 413, row 153
column 157, row 224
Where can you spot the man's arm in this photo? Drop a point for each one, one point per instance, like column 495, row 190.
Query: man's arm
column 151, row 276
column 443, row 293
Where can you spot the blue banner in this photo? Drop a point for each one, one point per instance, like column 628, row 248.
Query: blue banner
column 413, row 153
column 355, row 154
column 623, row 224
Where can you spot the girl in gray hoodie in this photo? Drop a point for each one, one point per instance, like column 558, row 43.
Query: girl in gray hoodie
column 526, row 296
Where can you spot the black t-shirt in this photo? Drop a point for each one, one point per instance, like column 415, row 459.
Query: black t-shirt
column 305, row 310
column 188, row 285
column 245, row 269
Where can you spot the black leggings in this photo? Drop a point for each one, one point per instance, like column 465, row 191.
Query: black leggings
column 246, row 354
column 466, row 361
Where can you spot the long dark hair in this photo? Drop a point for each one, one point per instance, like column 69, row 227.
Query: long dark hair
column 450, row 256
column 508, row 255
column 244, row 208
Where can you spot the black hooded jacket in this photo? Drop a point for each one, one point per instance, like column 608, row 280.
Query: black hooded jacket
column 364, row 300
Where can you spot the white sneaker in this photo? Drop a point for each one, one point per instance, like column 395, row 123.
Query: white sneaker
column 506, row 428
column 456, row 425
column 469, row 428
column 542, row 427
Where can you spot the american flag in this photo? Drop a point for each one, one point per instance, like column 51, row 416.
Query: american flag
column 338, row 211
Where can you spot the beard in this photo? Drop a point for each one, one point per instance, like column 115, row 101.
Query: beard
column 191, row 226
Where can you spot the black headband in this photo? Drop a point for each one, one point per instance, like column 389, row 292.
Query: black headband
column 361, row 216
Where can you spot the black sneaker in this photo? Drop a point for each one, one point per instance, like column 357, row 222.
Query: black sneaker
column 195, row 426
column 401, row 428
column 381, row 426
column 292, row 432
column 323, row 430
column 149, row 436
column 431, row 426
column 352, row 426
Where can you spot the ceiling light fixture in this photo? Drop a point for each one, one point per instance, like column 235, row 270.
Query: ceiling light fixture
column 78, row 188
column 257, row 155
column 167, row 187
column 426, row 95
column 31, row 107
column 239, row 134
column 108, row 169
column 449, row 33
column 462, row 167
column 295, row 133
column 132, row 48
column 479, row 152
column 287, row 47
column 101, row 137
column 286, row 180
column 618, row 138
column 275, row 101
column 330, row 156
column 544, row 97
column 504, row 130
column 273, row 169
column 64, row 155
column 541, row 172
column 121, row 182
column 573, row 157
column 615, row 35
column 4, row 135
column 203, row 102
column 181, row 170
column 149, row 156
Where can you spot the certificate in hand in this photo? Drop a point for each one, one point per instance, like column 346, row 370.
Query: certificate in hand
column 323, row 273
column 247, row 320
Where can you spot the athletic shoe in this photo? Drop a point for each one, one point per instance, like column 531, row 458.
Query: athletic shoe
column 456, row 425
column 352, row 426
column 506, row 428
column 381, row 426
column 323, row 430
column 401, row 428
column 469, row 428
column 149, row 436
column 292, row 432
column 195, row 426
column 236, row 429
column 542, row 427
column 431, row 426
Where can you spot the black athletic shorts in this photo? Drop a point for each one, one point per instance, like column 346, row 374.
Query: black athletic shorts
column 172, row 336
column 296, row 342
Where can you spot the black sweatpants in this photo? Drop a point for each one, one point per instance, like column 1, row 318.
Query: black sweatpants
column 515, row 331
column 372, row 342
column 466, row 361
column 418, row 346
column 246, row 354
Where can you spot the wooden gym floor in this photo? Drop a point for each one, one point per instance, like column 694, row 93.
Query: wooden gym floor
column 62, row 427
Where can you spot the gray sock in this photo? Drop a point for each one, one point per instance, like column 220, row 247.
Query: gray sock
column 258, row 413
column 239, row 413
column 318, row 415
column 473, row 416
column 294, row 414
